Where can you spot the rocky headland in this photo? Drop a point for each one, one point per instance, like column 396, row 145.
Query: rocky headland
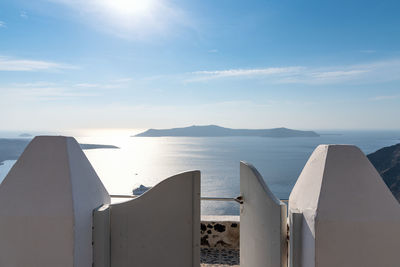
column 387, row 162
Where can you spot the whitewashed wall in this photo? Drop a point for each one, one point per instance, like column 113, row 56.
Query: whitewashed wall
column 350, row 218
column 46, row 204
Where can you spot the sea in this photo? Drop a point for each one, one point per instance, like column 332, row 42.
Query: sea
column 149, row 160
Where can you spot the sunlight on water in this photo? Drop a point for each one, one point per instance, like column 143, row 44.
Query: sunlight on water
column 147, row 161
column 140, row 160
column 5, row 168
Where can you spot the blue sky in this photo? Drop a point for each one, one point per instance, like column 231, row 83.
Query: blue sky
column 73, row 64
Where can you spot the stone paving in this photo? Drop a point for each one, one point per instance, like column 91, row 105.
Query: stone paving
column 219, row 257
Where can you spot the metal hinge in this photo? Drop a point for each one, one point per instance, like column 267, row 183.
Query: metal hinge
column 239, row 199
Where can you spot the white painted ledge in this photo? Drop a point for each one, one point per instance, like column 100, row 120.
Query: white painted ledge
column 220, row 218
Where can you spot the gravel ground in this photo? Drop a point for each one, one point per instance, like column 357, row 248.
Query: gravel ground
column 217, row 265
column 213, row 257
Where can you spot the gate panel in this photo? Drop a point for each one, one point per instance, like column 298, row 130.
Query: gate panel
column 263, row 227
column 159, row 228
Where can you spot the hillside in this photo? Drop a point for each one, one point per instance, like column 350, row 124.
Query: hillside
column 387, row 162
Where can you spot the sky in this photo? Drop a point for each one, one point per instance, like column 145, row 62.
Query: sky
column 79, row 64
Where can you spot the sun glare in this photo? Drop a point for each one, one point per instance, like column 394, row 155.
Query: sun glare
column 133, row 19
column 129, row 7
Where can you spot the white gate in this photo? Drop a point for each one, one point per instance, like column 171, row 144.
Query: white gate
column 263, row 227
column 159, row 228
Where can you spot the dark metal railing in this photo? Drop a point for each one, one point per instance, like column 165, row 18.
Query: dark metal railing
column 238, row 199
column 202, row 198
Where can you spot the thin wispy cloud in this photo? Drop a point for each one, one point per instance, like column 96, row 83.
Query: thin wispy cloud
column 98, row 85
column 31, row 84
column 52, row 93
column 2, row 24
column 116, row 83
column 376, row 71
column 42, row 91
column 247, row 72
column 11, row 64
column 23, row 15
column 87, row 85
column 385, row 97
column 337, row 74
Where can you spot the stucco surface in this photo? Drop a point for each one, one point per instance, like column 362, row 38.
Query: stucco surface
column 46, row 202
column 350, row 216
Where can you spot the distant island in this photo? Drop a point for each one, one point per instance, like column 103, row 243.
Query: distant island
column 11, row 149
column 387, row 163
column 97, row 146
column 218, row 131
column 25, row 135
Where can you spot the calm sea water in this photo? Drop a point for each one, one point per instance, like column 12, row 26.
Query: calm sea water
column 149, row 160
